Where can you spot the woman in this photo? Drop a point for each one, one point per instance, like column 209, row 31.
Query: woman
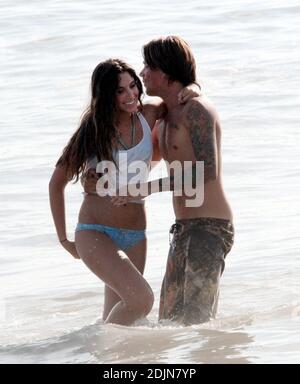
column 110, row 240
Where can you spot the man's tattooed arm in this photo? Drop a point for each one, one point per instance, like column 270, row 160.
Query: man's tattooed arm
column 200, row 125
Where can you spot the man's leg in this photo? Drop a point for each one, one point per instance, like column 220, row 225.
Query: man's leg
column 172, row 290
column 190, row 288
column 204, row 266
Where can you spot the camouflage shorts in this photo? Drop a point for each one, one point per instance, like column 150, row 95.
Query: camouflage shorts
column 195, row 264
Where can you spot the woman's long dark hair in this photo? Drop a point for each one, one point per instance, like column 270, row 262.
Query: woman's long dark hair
column 97, row 127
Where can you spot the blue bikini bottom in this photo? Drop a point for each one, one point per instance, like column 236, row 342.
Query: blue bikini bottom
column 123, row 238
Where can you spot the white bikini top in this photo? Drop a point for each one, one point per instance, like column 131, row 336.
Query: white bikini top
column 133, row 163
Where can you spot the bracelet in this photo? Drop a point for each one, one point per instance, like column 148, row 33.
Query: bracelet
column 61, row 241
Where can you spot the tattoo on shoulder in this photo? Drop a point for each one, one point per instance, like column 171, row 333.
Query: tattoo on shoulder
column 201, row 130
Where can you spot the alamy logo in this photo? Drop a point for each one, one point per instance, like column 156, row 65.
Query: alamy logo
column 131, row 179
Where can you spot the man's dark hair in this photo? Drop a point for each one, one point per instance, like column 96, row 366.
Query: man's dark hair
column 173, row 56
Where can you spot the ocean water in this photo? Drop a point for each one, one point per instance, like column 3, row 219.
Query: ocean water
column 249, row 63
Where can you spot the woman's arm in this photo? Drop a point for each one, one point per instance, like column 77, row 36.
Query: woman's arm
column 57, row 186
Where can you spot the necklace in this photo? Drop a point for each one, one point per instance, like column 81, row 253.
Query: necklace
column 133, row 129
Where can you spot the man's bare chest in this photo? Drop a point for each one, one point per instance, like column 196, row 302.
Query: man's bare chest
column 173, row 140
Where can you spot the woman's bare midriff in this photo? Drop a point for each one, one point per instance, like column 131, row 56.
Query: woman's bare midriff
column 99, row 210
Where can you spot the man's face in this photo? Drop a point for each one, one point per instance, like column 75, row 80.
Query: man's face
column 153, row 80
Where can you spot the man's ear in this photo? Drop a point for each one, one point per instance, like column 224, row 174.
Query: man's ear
column 167, row 79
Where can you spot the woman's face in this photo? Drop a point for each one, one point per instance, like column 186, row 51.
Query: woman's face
column 127, row 96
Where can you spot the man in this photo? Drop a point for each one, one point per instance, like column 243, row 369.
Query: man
column 202, row 235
